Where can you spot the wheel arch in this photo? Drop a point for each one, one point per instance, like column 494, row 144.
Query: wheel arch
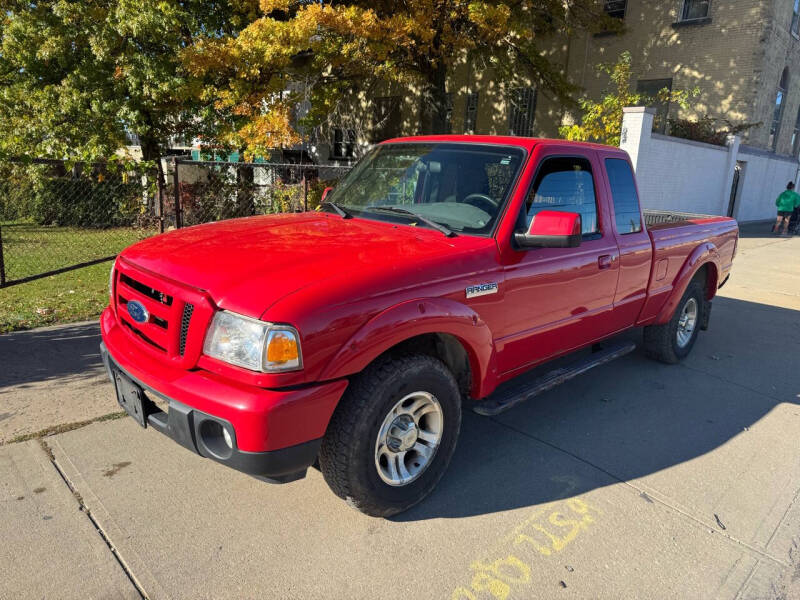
column 443, row 328
column 702, row 263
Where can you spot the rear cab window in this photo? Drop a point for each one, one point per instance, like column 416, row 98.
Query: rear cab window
column 627, row 215
column 564, row 183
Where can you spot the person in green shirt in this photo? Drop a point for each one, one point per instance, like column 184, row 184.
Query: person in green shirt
column 786, row 203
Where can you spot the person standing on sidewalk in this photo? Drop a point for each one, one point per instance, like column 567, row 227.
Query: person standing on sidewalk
column 786, row 203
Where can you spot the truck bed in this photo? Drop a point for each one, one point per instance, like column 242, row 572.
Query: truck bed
column 675, row 236
column 664, row 219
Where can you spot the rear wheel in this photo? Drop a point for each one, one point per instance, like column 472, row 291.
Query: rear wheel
column 672, row 341
column 393, row 434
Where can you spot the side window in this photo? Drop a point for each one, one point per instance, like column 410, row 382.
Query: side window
column 564, row 184
column 623, row 194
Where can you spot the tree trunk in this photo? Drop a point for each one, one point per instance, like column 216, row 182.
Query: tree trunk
column 433, row 104
column 151, row 150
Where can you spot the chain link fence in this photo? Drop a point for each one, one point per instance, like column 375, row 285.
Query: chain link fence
column 205, row 191
column 55, row 217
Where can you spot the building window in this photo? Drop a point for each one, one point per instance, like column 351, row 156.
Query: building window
column 694, row 9
column 388, row 118
column 650, row 88
column 521, row 111
column 795, row 28
column 777, row 113
column 344, row 144
column 616, row 8
column 796, row 135
column 471, row 113
column 448, row 114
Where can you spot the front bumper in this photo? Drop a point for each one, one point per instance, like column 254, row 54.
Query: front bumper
column 184, row 425
column 275, row 434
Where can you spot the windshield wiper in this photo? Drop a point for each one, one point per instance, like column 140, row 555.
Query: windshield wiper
column 402, row 211
column 342, row 212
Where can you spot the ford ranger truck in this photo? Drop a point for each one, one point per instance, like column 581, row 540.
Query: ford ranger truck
column 437, row 274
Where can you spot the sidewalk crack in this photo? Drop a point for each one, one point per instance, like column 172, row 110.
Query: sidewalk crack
column 85, row 510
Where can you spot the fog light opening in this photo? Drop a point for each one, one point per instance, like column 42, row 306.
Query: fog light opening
column 216, row 438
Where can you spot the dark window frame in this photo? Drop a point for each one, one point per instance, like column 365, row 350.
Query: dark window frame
column 662, row 108
column 686, row 10
column 471, row 112
column 522, row 111
column 796, row 136
column 779, row 106
column 341, row 148
column 615, row 9
column 794, row 27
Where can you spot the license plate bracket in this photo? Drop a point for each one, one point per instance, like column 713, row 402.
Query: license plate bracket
column 130, row 397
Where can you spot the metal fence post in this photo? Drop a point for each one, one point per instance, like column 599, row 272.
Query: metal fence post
column 160, row 187
column 176, row 184
column 305, row 192
column 2, row 262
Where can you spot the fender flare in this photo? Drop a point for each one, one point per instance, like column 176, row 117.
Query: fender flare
column 705, row 254
column 413, row 318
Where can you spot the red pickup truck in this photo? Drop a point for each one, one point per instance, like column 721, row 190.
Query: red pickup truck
column 438, row 269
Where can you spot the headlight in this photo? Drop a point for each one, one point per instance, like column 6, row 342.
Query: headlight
column 253, row 344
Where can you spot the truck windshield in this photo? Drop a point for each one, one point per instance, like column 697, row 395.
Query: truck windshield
column 460, row 186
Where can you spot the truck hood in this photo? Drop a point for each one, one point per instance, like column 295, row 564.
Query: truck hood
column 248, row 264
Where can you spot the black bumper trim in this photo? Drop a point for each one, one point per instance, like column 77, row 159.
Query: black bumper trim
column 183, row 424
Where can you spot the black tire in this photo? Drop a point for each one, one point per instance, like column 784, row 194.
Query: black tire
column 347, row 455
column 661, row 341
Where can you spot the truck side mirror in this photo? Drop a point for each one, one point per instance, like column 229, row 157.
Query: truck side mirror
column 552, row 229
column 325, row 193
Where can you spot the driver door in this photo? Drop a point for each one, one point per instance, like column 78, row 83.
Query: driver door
column 559, row 299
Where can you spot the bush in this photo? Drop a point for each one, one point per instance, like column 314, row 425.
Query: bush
column 707, row 129
column 48, row 197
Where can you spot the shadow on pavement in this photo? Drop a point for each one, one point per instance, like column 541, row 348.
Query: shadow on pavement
column 40, row 355
column 624, row 420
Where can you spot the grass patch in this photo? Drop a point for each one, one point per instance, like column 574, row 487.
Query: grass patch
column 30, row 249
column 72, row 296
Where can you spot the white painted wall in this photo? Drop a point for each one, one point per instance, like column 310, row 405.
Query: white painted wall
column 689, row 176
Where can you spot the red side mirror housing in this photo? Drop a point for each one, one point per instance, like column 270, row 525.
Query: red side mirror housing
column 552, row 229
column 325, row 193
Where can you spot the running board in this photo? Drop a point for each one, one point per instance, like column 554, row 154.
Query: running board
column 502, row 400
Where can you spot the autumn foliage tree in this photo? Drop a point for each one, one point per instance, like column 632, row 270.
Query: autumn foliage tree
column 321, row 51
column 75, row 77
column 601, row 120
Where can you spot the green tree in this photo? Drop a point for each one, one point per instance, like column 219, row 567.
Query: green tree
column 77, row 76
column 323, row 50
column 602, row 120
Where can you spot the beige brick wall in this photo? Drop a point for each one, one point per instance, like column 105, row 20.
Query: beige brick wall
column 735, row 61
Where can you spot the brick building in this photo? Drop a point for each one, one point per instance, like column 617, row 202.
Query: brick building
column 744, row 57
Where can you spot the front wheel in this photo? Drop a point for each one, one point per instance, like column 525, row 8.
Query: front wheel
column 672, row 341
column 393, row 434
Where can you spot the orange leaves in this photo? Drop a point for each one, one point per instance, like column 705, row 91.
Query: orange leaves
column 263, row 133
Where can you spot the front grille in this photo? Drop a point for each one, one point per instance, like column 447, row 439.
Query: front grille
column 188, row 309
column 146, row 290
column 142, row 336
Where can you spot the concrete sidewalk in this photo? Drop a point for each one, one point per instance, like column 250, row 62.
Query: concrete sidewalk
column 636, row 480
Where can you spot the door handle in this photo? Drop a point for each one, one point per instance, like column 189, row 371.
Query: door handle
column 605, row 261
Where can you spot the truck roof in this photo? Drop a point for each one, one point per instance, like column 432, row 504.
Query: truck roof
column 506, row 140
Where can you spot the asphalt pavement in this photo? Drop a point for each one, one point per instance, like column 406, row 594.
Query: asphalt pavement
column 636, row 480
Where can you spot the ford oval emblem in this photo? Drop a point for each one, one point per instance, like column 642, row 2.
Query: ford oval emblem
column 137, row 311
